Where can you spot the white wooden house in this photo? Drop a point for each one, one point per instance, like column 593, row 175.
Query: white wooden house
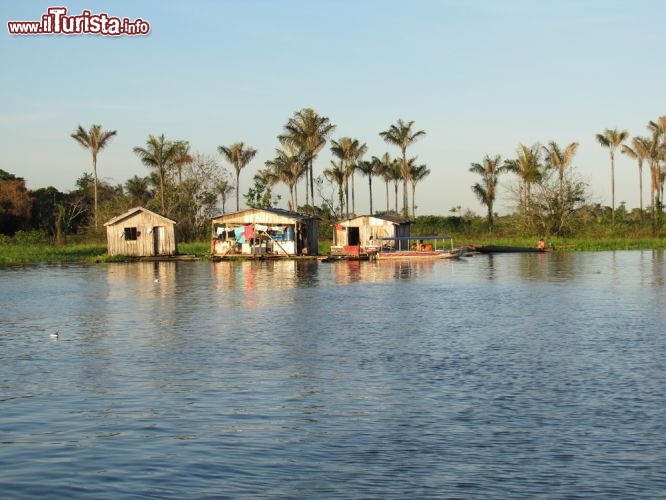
column 363, row 234
column 262, row 232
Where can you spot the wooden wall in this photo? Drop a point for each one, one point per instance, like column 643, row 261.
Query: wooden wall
column 146, row 225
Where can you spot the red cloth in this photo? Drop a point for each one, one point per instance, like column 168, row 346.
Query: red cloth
column 248, row 232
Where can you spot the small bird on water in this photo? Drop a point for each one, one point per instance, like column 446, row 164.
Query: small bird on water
column 54, row 335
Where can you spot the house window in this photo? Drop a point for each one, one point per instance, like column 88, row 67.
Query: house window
column 130, row 234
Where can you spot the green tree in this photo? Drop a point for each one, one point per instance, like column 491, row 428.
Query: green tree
column 486, row 190
column 401, row 135
column 260, row 194
column 612, row 139
column 559, row 159
column 336, row 173
column 95, row 139
column 224, row 189
column 349, row 151
column 416, row 174
column 527, row 165
column 307, row 132
column 384, row 169
column 196, row 196
column 288, row 169
column 639, row 151
column 15, row 203
column 160, row 154
column 138, row 190
column 182, row 159
column 239, row 156
column 657, row 171
column 369, row 168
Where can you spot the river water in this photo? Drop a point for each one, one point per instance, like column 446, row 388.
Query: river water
column 506, row 376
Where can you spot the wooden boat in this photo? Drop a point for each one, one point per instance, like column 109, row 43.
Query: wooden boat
column 422, row 250
column 506, row 249
column 456, row 253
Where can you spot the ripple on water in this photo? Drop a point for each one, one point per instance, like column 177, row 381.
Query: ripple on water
column 512, row 376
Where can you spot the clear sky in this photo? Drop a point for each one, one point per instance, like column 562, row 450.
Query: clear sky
column 479, row 76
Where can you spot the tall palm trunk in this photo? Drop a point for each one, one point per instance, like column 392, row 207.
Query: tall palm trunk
column 353, row 196
column 414, row 200
column 95, row 184
column 311, row 171
column 612, row 156
column 640, row 187
column 405, row 176
column 387, row 196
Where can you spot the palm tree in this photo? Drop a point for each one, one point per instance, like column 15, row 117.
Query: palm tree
column 639, row 152
column 396, row 177
column 527, row 165
column 357, row 154
column 612, row 139
column 560, row 160
column 223, row 188
column 138, row 190
column 369, row 168
column 239, row 157
column 486, row 191
column 416, row 174
column 307, row 132
column 93, row 140
column 336, row 173
column 349, row 151
column 384, row 171
column 401, row 135
column 183, row 158
column 657, row 155
column 160, row 154
column 288, row 169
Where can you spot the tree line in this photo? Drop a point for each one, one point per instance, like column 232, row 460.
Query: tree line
column 549, row 197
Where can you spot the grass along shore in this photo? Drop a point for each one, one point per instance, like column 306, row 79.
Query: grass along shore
column 13, row 253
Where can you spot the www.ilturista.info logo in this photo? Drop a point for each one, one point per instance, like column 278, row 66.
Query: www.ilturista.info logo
column 57, row 22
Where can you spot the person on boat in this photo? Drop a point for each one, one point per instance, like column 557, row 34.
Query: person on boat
column 541, row 245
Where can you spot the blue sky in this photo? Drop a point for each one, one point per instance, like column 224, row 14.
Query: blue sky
column 479, row 76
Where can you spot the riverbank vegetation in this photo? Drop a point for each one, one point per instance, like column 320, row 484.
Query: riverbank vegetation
column 38, row 247
column 548, row 196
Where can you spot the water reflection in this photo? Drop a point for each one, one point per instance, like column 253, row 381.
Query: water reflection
column 349, row 379
column 262, row 274
column 657, row 268
column 347, row 272
column 614, row 268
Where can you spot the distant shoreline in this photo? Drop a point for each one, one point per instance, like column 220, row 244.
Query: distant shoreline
column 95, row 253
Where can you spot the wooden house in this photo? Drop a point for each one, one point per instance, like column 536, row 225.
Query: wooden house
column 140, row 232
column 363, row 234
column 259, row 232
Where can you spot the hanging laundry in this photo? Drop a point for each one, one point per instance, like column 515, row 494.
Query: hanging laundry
column 260, row 227
column 249, row 232
column 238, row 233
